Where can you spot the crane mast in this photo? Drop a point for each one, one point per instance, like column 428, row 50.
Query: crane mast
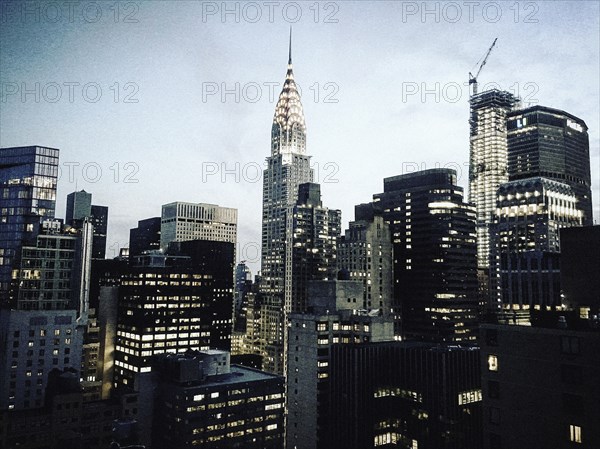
column 473, row 78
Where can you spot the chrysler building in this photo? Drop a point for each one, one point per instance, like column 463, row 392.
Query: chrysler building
column 288, row 166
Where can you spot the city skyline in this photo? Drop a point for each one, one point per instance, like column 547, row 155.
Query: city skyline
column 399, row 132
column 427, row 200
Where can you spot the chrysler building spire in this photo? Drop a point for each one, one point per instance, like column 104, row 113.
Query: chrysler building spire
column 288, row 133
column 290, row 54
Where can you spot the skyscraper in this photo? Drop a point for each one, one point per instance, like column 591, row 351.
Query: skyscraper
column 365, row 253
column 190, row 221
column 79, row 206
column 99, row 219
column 145, row 237
column 28, row 177
column 312, row 246
column 288, row 166
column 334, row 316
column 487, row 163
column 552, row 144
column 171, row 303
column 435, row 279
column 45, row 328
column 525, row 262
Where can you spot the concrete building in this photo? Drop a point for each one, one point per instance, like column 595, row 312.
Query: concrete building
column 580, row 265
column 80, row 207
column 313, row 233
column 99, row 219
column 365, row 252
column 203, row 401
column 334, row 316
column 45, row 328
column 190, row 221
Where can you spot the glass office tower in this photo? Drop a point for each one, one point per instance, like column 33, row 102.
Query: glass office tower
column 28, row 177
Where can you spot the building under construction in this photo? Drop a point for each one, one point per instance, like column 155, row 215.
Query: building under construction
column 488, row 161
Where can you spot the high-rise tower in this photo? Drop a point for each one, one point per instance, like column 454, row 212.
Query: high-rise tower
column 28, row 177
column 550, row 143
column 288, row 166
column 488, row 160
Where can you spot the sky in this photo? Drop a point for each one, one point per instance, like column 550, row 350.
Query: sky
column 151, row 102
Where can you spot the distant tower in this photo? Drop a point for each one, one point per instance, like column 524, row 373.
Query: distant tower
column 288, row 166
column 550, row 143
column 314, row 231
column 487, row 165
column 28, row 177
column 435, row 273
column 79, row 206
column 365, row 252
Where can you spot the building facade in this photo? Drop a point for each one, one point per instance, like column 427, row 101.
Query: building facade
column 146, row 237
column 525, row 256
column 404, row 395
column 203, row 401
column 80, row 207
column 28, row 177
column 435, row 266
column 190, row 221
column 540, row 383
column 365, row 252
column 550, row 143
column 172, row 303
column 313, row 233
column 334, row 316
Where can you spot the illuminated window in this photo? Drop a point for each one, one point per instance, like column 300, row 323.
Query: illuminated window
column 575, row 433
column 492, row 362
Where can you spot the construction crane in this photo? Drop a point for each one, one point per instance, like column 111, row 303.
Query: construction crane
column 473, row 78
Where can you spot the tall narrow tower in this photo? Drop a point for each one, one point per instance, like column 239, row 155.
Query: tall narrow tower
column 487, row 164
column 288, row 166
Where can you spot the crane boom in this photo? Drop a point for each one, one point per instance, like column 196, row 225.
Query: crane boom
column 473, row 78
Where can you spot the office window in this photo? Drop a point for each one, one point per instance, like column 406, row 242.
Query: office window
column 492, row 362
column 575, row 433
